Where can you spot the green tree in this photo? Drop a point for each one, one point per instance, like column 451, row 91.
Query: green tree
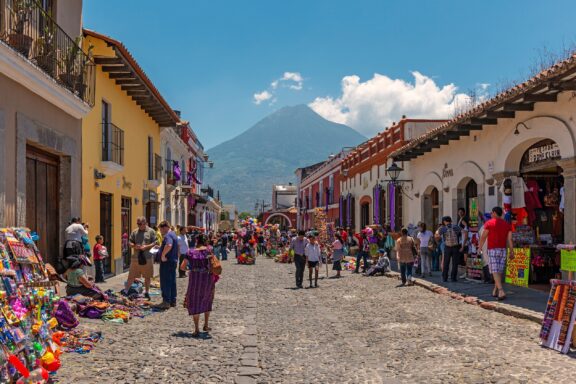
column 244, row 215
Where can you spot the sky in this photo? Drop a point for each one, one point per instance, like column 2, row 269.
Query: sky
column 226, row 64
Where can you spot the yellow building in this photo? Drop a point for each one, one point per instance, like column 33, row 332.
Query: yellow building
column 121, row 166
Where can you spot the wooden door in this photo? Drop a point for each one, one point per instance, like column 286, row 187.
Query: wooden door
column 106, row 228
column 42, row 209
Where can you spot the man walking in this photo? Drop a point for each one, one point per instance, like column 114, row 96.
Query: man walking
column 298, row 245
column 498, row 233
column 450, row 234
column 168, row 263
column 141, row 240
column 363, row 252
column 224, row 247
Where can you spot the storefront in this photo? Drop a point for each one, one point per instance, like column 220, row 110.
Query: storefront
column 516, row 152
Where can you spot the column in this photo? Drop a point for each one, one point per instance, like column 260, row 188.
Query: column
column 569, row 173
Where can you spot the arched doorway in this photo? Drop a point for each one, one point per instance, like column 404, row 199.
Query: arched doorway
column 365, row 211
column 431, row 208
column 282, row 220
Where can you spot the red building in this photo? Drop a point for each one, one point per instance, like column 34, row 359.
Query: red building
column 319, row 187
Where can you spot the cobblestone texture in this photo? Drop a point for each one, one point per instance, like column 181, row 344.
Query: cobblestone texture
column 351, row 330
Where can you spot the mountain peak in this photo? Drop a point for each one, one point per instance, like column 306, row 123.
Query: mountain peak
column 269, row 152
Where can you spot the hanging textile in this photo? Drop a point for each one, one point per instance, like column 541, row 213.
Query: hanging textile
column 376, row 205
column 176, row 170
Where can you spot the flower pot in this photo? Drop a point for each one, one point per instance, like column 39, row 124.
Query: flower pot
column 21, row 43
column 69, row 79
column 47, row 63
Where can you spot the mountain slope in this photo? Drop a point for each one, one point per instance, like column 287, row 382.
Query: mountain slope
column 246, row 167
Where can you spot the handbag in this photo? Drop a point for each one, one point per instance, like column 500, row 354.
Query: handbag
column 215, row 266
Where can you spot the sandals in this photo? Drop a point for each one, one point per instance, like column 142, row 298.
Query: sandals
column 500, row 298
column 206, row 329
column 196, row 334
column 495, row 292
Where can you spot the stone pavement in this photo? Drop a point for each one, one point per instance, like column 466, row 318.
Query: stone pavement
column 350, row 330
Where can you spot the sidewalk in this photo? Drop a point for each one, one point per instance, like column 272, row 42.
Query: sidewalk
column 531, row 303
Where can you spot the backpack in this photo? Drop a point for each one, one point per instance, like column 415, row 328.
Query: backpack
column 451, row 237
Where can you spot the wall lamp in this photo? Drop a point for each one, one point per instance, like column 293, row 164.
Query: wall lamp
column 516, row 131
column 98, row 175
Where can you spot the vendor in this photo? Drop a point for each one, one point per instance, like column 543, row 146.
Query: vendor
column 78, row 281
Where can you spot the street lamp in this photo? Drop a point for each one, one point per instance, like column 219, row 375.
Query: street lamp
column 394, row 171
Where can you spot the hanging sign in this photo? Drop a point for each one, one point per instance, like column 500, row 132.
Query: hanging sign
column 568, row 260
column 473, row 209
column 517, row 269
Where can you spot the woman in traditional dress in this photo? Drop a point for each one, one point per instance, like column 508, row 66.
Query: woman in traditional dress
column 201, row 283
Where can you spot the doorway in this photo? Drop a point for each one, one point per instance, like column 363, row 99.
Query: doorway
column 42, row 209
column 431, row 209
column 106, row 225
column 125, row 223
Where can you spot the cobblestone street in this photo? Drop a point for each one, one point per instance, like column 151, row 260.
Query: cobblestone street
column 355, row 329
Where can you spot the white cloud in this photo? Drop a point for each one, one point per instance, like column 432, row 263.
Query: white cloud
column 260, row 97
column 373, row 105
column 289, row 80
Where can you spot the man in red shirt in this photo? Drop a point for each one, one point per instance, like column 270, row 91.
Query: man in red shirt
column 498, row 233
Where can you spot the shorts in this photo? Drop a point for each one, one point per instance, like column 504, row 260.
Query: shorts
column 497, row 260
column 136, row 270
column 312, row 264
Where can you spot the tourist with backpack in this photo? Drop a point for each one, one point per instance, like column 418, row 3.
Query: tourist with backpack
column 450, row 235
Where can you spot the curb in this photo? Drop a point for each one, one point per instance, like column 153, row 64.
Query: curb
column 505, row 309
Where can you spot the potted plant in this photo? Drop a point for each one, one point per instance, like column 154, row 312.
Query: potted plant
column 20, row 14
column 69, row 65
column 45, row 50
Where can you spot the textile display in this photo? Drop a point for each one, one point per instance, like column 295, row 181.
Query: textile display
column 176, row 170
column 559, row 317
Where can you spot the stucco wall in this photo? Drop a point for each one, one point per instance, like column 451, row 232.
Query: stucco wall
column 27, row 118
column 131, row 182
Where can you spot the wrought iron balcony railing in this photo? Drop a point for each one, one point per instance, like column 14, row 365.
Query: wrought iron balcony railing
column 112, row 143
column 30, row 30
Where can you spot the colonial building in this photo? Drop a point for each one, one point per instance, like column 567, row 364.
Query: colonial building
column 121, row 167
column 368, row 195
column 516, row 150
column 46, row 88
column 319, row 186
column 282, row 211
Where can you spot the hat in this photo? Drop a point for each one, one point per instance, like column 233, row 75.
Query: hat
column 447, row 219
column 381, row 250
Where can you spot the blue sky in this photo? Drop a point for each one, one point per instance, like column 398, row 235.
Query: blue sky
column 209, row 58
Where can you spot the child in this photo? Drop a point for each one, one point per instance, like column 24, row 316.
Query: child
column 100, row 253
column 382, row 266
column 313, row 255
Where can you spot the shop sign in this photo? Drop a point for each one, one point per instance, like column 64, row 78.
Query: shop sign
column 517, row 269
column 540, row 152
column 568, row 260
column 447, row 172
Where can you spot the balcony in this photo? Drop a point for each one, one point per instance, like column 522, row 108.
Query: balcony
column 112, row 149
column 33, row 34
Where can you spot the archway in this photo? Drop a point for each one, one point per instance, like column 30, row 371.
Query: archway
column 431, row 207
column 365, row 211
column 281, row 219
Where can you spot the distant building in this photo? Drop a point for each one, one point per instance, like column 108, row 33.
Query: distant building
column 283, row 211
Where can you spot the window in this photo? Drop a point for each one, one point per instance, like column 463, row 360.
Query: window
column 151, row 159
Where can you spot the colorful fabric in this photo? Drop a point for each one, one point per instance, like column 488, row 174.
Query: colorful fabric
column 200, row 294
column 497, row 260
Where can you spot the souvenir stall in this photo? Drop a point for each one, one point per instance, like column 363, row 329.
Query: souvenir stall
column 30, row 346
column 474, row 263
column 533, row 203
